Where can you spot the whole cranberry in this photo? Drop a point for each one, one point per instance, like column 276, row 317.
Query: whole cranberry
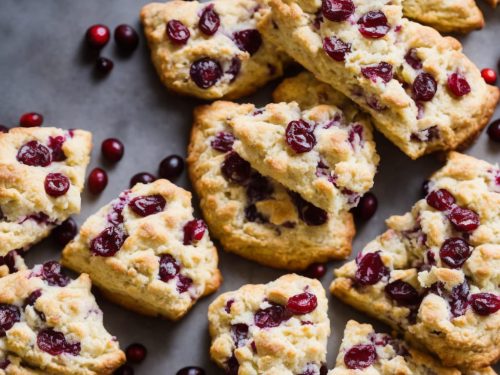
column 454, row 252
column 108, row 242
column 124, row 370
column 56, row 184
column 177, row 32
column 235, row 169
column 336, row 48
column 485, row 303
column 205, row 72
column 97, row 36
column 104, row 65
column 248, row 40
column 360, row 356
column 31, row 120
column 126, row 38
column 112, row 149
column 97, row 180
column 337, row 10
column 4, row 129
column 34, row 154
column 171, row 167
column 463, row 219
column 494, row 131
column 367, row 207
column 413, row 60
column 441, row 200
column 169, row 267
column 209, row 20
column 301, row 304
column 142, row 178
column 194, row 231
column 136, row 353
column 191, row 370
column 373, row 25
column 299, row 136
column 424, row 87
column 65, row 232
column 270, row 317
column 315, row 271
column 458, row 85
column 403, row 293
column 370, row 269
column 489, row 76
column 148, row 205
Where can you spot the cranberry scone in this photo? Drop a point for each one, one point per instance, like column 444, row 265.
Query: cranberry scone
column 210, row 50
column 42, row 173
column 147, row 252
column 277, row 328
column 423, row 93
column 255, row 216
column 52, row 324
column 434, row 274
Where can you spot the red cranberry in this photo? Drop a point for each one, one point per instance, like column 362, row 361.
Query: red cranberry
column 54, row 343
column 108, row 242
column 458, row 299
column 177, row 32
column 65, row 232
column 308, row 213
column 148, row 205
column 367, row 207
column 31, row 299
column 494, row 131
column 142, row 178
column 424, row 87
column 403, row 293
column 458, row 85
column 223, row 142
column 239, row 333
column 235, row 169
column 191, row 370
column 115, row 215
column 337, row 10
column 183, row 283
column 301, row 304
column 34, row 154
column 300, row 137
column 56, row 145
column 413, row 60
column 270, row 317
column 169, row 268
column 104, row 65
column 9, row 315
column 97, row 36
column 254, row 216
column 124, row 370
column 383, row 71
column 126, row 38
column 97, row 180
column 489, row 76
column 51, row 273
column 194, row 231
column 248, row 40
column 370, row 269
column 259, row 188
column 360, row 356
column 56, row 184
column 373, row 25
column 315, row 271
column 31, row 120
column 454, row 252
column 209, row 20
column 205, row 72
column 336, row 48
column 232, row 366
column 441, row 200
column 136, row 353
column 171, row 167
column 112, row 149
column 463, row 219
column 485, row 303
column 4, row 129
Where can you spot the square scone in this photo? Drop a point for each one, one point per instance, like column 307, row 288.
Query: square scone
column 277, row 328
column 147, row 252
column 42, row 173
column 434, row 274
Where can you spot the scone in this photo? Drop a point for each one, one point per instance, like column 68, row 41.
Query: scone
column 42, row 173
column 255, row 216
column 434, row 274
column 422, row 91
column 147, row 252
column 52, row 324
column 210, row 50
column 11, row 263
column 277, row 328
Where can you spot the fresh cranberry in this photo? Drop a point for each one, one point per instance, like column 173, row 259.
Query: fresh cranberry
column 104, row 65
column 259, row 188
column 205, row 72
column 142, row 178
column 4, row 129
column 31, row 299
column 370, row 269
column 223, row 142
column 494, row 131
column 458, row 299
column 209, row 20
column 485, row 303
column 458, row 85
column 169, row 267
column 126, row 38
column 454, row 252
column 441, row 200
column 270, row 317
column 148, row 205
column 383, row 71
column 301, row 304
column 337, row 10
column 235, row 169
column 56, row 145
column 51, row 273
column 136, row 353
column 424, row 87
column 373, row 25
column 171, row 167
column 360, row 356
column 31, row 120
column 124, row 370
column 367, row 207
column 34, row 154
column 463, row 219
column 489, row 76
column 234, row 69
column 183, row 283
column 56, row 184
column 300, row 137
column 239, row 333
column 248, row 40
column 403, row 293
column 97, row 180
column 194, row 231
column 97, row 36
column 413, row 60
column 177, row 32
column 112, row 149
column 315, row 271
column 308, row 213
column 108, row 242
column 9, row 315
column 191, row 370
column 336, row 48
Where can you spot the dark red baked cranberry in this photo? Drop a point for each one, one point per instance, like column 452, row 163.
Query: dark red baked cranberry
column 169, row 267
column 34, row 154
column 235, row 169
column 191, row 370
column 458, row 84
column 104, row 65
column 39, row 218
column 232, row 366
column 142, row 178
column 9, row 260
column 355, row 137
column 177, row 32
column 312, row 369
column 463, row 219
column 124, row 370
column 403, row 293
column 270, row 317
column 56, row 145
column 441, row 200
column 4, row 364
column 97, row 180
column 489, row 76
column 370, row 269
column 223, row 142
column 383, row 71
column 308, row 213
column 239, row 333
column 234, row 69
column 31, row 299
column 299, row 136
column 54, row 343
column 494, row 131
column 171, row 167
column 248, row 40
column 183, row 283
column 336, row 48
column 360, row 356
column 373, row 25
column 205, row 72
column 115, row 215
column 366, row 207
column 380, row 339
column 424, row 87
column 126, row 38
column 31, row 120
column 458, row 299
column 454, row 252
column 485, row 303
column 337, row 10
column 259, row 188
column 56, row 184
column 97, row 36
column 108, row 242
column 413, row 60
column 194, row 231
column 148, row 205
column 254, row 216
column 51, row 272
column 9, row 315
column 4, row 129
column 303, row 303
column 112, row 149
column 209, row 20
column 136, row 353
column 229, row 303
column 315, row 271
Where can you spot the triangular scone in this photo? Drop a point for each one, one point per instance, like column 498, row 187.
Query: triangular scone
column 147, row 252
column 434, row 274
column 278, row 328
column 42, row 173
column 11, row 262
column 51, row 323
column 226, row 58
column 254, row 216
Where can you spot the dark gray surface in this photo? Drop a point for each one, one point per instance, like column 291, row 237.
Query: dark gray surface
column 43, row 68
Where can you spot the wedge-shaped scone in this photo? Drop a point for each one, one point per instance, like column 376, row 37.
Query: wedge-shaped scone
column 146, row 252
column 434, row 274
column 210, row 50
column 277, row 328
column 422, row 91
column 42, row 173
column 50, row 324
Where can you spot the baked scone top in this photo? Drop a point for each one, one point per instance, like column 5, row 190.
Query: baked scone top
column 278, row 328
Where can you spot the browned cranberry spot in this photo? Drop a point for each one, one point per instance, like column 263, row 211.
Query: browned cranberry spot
column 209, row 20
column 228, row 306
column 148, row 205
column 403, row 293
column 31, row 299
column 235, row 169
column 336, row 48
column 194, row 231
column 205, row 72
column 223, row 142
column 382, row 70
column 360, row 356
column 463, row 219
column 34, row 154
column 485, row 303
column 9, row 315
column 56, row 144
column 303, row 303
column 183, row 283
column 373, row 25
column 177, row 32
column 424, row 87
column 271, row 317
column 9, row 260
column 169, row 267
column 109, row 241
column 299, row 136
column 248, row 40
column 55, row 343
column 413, row 60
column 370, row 269
column 337, row 10
column 239, row 333
column 355, row 136
column 425, row 135
column 56, row 184
column 441, row 200
column 51, row 272
column 458, row 85
column 454, row 252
